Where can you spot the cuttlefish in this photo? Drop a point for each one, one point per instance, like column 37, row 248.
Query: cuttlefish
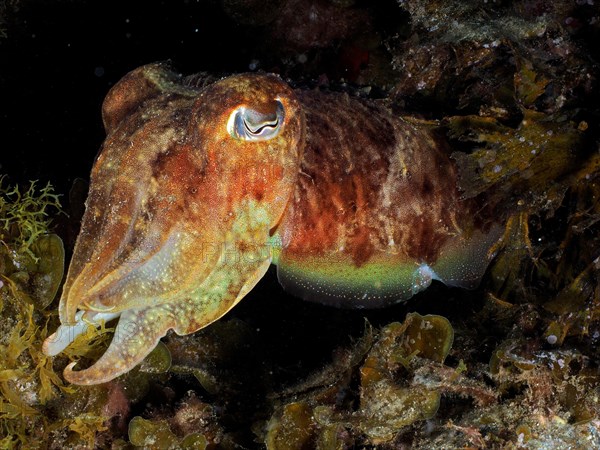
column 198, row 189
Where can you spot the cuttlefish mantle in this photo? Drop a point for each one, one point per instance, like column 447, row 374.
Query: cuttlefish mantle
column 197, row 190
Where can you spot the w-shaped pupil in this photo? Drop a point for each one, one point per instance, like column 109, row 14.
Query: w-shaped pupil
column 251, row 125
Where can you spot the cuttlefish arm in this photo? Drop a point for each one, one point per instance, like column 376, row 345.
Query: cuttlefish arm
column 183, row 198
column 138, row 331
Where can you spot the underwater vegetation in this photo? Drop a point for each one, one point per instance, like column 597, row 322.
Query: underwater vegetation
column 31, row 270
column 513, row 364
column 402, row 378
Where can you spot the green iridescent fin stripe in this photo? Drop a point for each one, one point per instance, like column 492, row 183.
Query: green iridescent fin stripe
column 386, row 278
column 338, row 282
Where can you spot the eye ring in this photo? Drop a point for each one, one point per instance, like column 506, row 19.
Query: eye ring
column 248, row 124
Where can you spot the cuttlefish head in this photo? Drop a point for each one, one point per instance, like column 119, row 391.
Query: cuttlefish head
column 180, row 171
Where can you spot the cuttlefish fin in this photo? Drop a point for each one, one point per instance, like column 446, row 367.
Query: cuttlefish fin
column 463, row 260
column 336, row 280
column 386, row 278
column 136, row 335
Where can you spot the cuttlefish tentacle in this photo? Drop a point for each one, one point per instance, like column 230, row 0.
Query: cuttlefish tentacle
column 243, row 260
column 136, row 335
column 139, row 331
column 67, row 333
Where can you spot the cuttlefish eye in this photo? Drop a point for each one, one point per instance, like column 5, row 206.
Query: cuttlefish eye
column 249, row 124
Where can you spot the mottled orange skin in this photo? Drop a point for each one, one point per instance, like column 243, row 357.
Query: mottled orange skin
column 376, row 213
column 165, row 193
column 360, row 205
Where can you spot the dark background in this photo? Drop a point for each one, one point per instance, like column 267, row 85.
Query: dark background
column 59, row 59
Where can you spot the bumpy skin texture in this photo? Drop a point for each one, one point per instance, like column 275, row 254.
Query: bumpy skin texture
column 376, row 213
column 185, row 214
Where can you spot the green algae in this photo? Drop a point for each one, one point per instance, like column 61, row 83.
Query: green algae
column 31, row 268
column 402, row 378
column 562, row 378
column 294, row 428
column 527, row 161
column 35, row 279
column 515, row 251
column 24, row 214
column 157, row 434
column 31, row 271
column 158, row 361
column 387, row 405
